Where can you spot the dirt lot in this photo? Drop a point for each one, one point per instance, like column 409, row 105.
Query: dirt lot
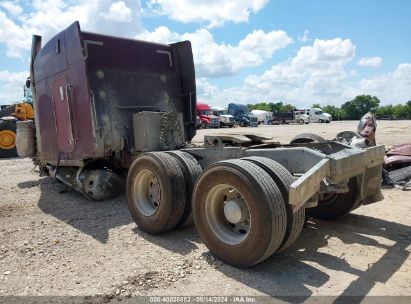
column 55, row 243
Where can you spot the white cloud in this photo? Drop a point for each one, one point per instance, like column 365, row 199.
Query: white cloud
column 370, row 61
column 119, row 12
column 11, row 86
column 393, row 87
column 48, row 17
column 213, row 12
column 304, row 38
column 213, row 59
column 12, row 8
column 324, row 54
column 317, row 73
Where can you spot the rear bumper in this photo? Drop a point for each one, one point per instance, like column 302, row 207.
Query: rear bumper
column 335, row 167
column 365, row 165
column 231, row 123
column 213, row 125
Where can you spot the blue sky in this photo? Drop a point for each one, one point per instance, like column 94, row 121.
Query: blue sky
column 298, row 51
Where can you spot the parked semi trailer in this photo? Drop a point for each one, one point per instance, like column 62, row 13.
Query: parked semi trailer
column 295, row 116
column 226, row 120
column 207, row 117
column 317, row 115
column 106, row 105
column 242, row 115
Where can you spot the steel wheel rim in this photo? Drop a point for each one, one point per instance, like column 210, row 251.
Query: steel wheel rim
column 215, row 213
column 147, row 192
column 7, row 139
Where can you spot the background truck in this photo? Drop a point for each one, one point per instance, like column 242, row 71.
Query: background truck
column 242, row 115
column 226, row 120
column 317, row 115
column 262, row 116
column 114, row 112
column 9, row 116
column 295, row 116
column 207, row 118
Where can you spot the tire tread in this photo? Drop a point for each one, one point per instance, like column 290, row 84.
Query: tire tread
column 283, row 178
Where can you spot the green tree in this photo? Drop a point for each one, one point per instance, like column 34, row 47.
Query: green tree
column 400, row 111
column 262, row 106
column 409, row 109
column 360, row 105
column 384, row 111
column 317, row 105
column 335, row 112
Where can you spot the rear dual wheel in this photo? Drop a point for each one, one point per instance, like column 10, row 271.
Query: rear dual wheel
column 240, row 206
column 191, row 171
column 159, row 187
column 241, row 210
column 283, row 178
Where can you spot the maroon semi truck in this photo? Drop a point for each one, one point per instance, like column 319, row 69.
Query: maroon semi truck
column 114, row 112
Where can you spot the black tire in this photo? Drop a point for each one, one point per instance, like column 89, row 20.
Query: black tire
column 400, row 175
column 283, row 178
column 301, row 121
column 306, row 138
column 231, row 126
column 10, row 128
column 327, row 121
column 170, row 178
column 338, row 204
column 242, row 124
column 192, row 171
column 265, row 205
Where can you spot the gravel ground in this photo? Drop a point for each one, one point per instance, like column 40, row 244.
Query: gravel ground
column 59, row 243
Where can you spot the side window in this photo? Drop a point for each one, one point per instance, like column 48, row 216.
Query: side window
column 316, row 112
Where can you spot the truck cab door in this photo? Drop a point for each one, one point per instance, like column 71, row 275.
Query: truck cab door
column 62, row 113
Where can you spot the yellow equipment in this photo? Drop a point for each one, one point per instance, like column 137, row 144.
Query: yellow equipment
column 23, row 111
column 8, row 116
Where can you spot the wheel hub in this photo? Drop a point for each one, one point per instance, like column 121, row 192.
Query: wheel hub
column 227, row 214
column 7, row 139
column 236, row 211
column 154, row 191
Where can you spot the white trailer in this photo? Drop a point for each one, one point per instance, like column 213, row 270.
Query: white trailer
column 262, row 116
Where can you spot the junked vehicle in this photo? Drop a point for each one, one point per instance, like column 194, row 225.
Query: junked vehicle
column 107, row 105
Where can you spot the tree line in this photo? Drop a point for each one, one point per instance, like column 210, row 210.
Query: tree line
column 350, row 110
